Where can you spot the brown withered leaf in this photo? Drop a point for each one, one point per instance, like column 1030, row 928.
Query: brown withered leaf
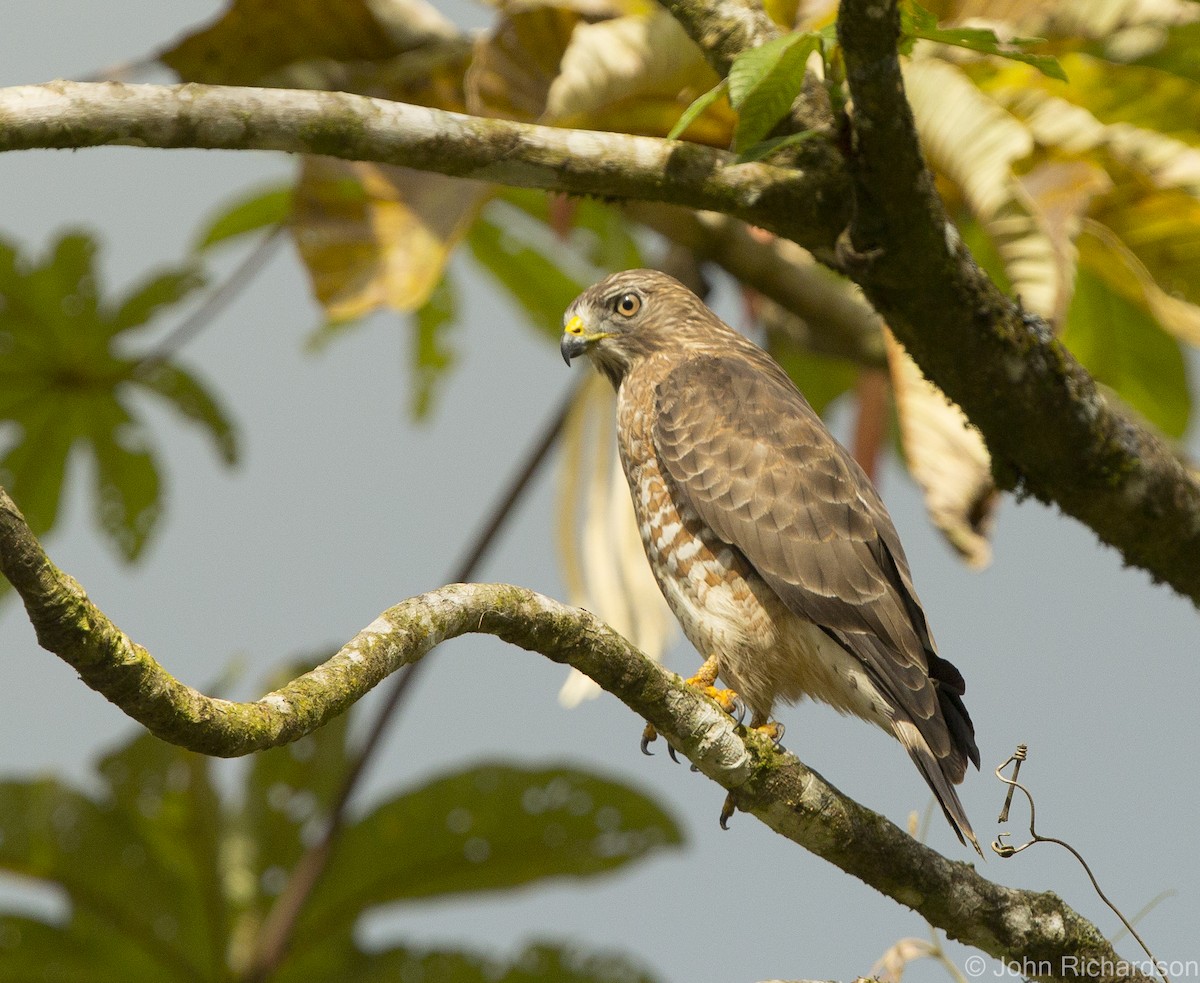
column 594, row 65
column 946, row 457
column 254, row 38
column 514, row 66
column 372, row 235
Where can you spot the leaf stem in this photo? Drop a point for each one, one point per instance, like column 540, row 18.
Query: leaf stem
column 275, row 936
column 217, row 300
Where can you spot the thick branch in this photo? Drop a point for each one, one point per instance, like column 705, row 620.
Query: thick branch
column 80, row 114
column 1050, row 431
column 775, row 786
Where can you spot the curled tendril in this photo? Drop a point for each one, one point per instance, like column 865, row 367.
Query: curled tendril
column 1005, row 850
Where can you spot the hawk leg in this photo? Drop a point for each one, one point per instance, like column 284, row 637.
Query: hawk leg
column 703, row 680
column 773, row 731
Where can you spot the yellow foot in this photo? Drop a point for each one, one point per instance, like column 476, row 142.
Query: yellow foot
column 772, row 730
column 727, row 699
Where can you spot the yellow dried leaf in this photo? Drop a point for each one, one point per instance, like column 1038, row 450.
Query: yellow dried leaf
column 1091, row 19
column 946, row 457
column 1072, row 129
column 891, row 965
column 603, row 563
column 1061, row 192
column 372, row 235
column 1104, row 252
column 615, row 60
column 976, row 144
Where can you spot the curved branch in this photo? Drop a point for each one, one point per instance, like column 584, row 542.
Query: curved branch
column 792, row 799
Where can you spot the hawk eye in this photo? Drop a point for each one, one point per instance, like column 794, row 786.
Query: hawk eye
column 628, row 304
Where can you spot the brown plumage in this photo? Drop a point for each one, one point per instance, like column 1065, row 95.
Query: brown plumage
column 770, row 544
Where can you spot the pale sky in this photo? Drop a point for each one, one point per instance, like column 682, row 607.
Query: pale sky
column 342, row 507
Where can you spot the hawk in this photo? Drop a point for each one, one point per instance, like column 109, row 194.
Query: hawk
column 769, row 542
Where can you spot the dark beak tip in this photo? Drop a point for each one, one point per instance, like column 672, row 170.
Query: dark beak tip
column 570, row 346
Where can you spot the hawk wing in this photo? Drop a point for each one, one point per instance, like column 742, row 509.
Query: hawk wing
column 753, row 459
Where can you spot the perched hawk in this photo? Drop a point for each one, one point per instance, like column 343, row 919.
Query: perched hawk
column 769, row 542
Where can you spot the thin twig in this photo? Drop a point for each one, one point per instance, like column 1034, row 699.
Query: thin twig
column 275, row 936
column 217, row 300
column 1006, row 850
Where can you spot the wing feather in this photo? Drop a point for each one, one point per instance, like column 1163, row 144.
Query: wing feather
column 753, row 459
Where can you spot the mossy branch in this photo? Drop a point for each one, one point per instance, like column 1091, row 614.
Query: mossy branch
column 775, row 786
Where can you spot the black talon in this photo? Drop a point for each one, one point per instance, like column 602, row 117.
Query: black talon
column 671, row 754
column 738, row 710
column 727, row 811
column 648, row 735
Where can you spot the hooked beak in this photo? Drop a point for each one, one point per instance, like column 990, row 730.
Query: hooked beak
column 576, row 340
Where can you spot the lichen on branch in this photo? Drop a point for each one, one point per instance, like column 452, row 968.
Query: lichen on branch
column 773, row 785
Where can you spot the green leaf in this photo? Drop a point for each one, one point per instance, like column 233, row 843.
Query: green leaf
column 766, row 147
column 289, row 793
column 821, row 378
column 598, row 233
column 83, row 948
column 188, row 396
column 153, row 827
column 764, row 82
column 917, row 22
column 65, row 359
column 535, row 280
column 432, row 356
column 127, row 501
column 541, row 962
column 491, row 828
column 1122, row 346
column 161, row 290
column 34, row 467
column 692, row 113
column 163, row 796
column 164, row 884
column 1179, row 53
column 249, row 213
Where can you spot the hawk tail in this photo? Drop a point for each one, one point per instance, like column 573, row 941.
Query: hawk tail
column 933, row 769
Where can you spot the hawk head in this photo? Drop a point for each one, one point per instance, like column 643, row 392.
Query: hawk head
column 630, row 315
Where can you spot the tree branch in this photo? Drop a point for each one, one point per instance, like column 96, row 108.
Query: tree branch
column 1035, row 928
column 337, row 124
column 1051, row 433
